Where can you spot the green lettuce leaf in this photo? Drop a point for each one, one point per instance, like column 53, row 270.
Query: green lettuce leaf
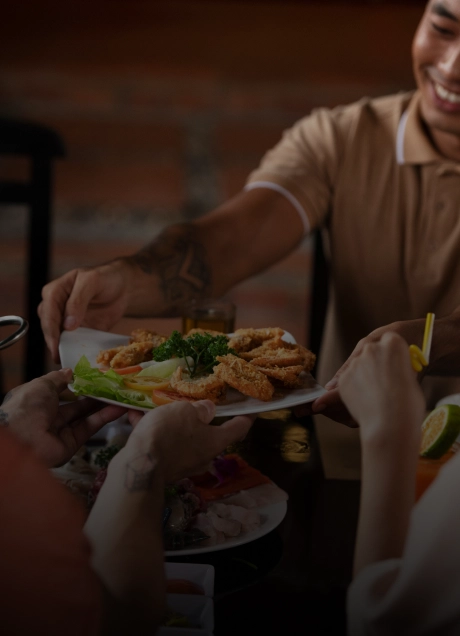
column 109, row 385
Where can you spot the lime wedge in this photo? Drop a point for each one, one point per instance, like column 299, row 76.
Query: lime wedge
column 440, row 430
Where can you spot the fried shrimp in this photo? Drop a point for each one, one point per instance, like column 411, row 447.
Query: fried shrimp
column 144, row 335
column 244, row 377
column 209, row 387
column 278, row 358
column 132, row 354
column 106, row 355
column 247, row 339
column 289, row 377
column 211, row 332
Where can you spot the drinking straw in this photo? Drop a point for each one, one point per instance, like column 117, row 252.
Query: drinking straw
column 420, row 357
column 428, row 336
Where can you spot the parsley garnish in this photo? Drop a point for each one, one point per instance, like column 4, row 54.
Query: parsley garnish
column 104, row 456
column 201, row 347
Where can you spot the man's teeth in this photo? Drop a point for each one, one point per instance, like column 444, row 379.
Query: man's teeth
column 453, row 98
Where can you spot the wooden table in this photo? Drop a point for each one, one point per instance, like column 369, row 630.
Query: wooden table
column 294, row 579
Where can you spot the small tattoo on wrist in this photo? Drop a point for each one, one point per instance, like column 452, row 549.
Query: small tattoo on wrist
column 4, row 421
column 7, row 397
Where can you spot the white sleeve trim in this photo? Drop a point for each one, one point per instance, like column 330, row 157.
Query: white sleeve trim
column 290, row 197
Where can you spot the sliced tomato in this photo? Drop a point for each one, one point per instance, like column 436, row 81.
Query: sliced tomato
column 146, row 384
column 127, row 370
column 166, row 397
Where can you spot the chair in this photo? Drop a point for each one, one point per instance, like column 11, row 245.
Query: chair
column 41, row 145
column 319, row 296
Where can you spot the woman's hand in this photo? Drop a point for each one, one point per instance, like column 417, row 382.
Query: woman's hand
column 179, row 435
column 55, row 432
column 380, row 390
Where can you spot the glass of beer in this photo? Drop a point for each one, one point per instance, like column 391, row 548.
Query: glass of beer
column 216, row 315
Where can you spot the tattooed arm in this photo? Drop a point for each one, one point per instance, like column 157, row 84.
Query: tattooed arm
column 125, row 524
column 206, row 258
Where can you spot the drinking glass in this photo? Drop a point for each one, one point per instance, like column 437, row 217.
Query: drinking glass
column 213, row 314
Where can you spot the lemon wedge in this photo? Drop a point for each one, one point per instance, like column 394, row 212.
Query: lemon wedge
column 440, row 429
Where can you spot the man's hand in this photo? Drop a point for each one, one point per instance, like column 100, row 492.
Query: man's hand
column 330, row 404
column 180, row 437
column 32, row 413
column 94, row 297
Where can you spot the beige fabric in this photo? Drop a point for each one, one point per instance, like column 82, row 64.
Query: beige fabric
column 393, row 227
column 416, row 594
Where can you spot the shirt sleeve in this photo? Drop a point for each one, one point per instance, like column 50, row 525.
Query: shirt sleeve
column 417, row 594
column 304, row 164
column 47, row 585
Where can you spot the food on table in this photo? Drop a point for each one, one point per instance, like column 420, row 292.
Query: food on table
column 144, row 335
column 183, row 586
column 208, row 387
column 440, row 429
column 244, row 377
column 247, row 339
column 154, row 370
column 140, row 348
column 211, row 332
column 122, row 357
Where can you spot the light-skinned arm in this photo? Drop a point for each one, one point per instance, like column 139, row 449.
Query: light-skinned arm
column 381, row 392
column 125, row 524
column 241, row 238
column 444, row 359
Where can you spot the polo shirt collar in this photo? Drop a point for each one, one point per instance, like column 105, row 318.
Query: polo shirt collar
column 413, row 145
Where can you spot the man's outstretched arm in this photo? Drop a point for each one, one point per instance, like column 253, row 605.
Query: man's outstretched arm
column 241, row 238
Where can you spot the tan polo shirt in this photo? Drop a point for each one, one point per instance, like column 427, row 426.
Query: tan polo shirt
column 390, row 206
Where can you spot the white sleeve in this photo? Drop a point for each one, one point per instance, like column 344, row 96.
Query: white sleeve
column 289, row 196
column 418, row 594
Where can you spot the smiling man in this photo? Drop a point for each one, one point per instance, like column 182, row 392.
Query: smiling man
column 380, row 177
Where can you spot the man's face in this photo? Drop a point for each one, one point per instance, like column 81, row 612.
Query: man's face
column 436, row 59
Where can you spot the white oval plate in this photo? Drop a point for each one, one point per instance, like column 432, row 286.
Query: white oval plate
column 271, row 517
column 89, row 342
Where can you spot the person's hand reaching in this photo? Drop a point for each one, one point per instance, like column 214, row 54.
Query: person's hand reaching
column 94, row 297
column 55, row 432
column 380, row 390
column 180, row 437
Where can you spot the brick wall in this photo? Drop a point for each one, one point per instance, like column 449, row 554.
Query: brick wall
column 166, row 106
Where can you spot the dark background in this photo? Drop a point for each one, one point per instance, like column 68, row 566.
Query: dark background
column 166, row 106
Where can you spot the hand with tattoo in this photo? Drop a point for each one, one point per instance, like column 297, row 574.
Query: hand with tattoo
column 55, row 432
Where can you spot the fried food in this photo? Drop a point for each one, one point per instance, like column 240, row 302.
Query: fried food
column 132, row 354
column 244, row 377
column 209, row 387
column 278, row 358
column 247, row 339
column 288, row 377
column 145, row 335
column 106, row 355
column 211, row 332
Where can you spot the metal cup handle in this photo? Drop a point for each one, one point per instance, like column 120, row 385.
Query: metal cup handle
column 18, row 334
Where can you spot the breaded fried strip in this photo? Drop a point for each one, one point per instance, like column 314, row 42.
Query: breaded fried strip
column 132, row 354
column 247, row 339
column 211, row 332
column 287, row 376
column 244, row 377
column 278, row 358
column 144, row 335
column 105, row 356
column 209, row 387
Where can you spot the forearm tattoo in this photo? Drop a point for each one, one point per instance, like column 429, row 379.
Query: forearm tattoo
column 179, row 259
column 140, row 473
column 4, row 421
